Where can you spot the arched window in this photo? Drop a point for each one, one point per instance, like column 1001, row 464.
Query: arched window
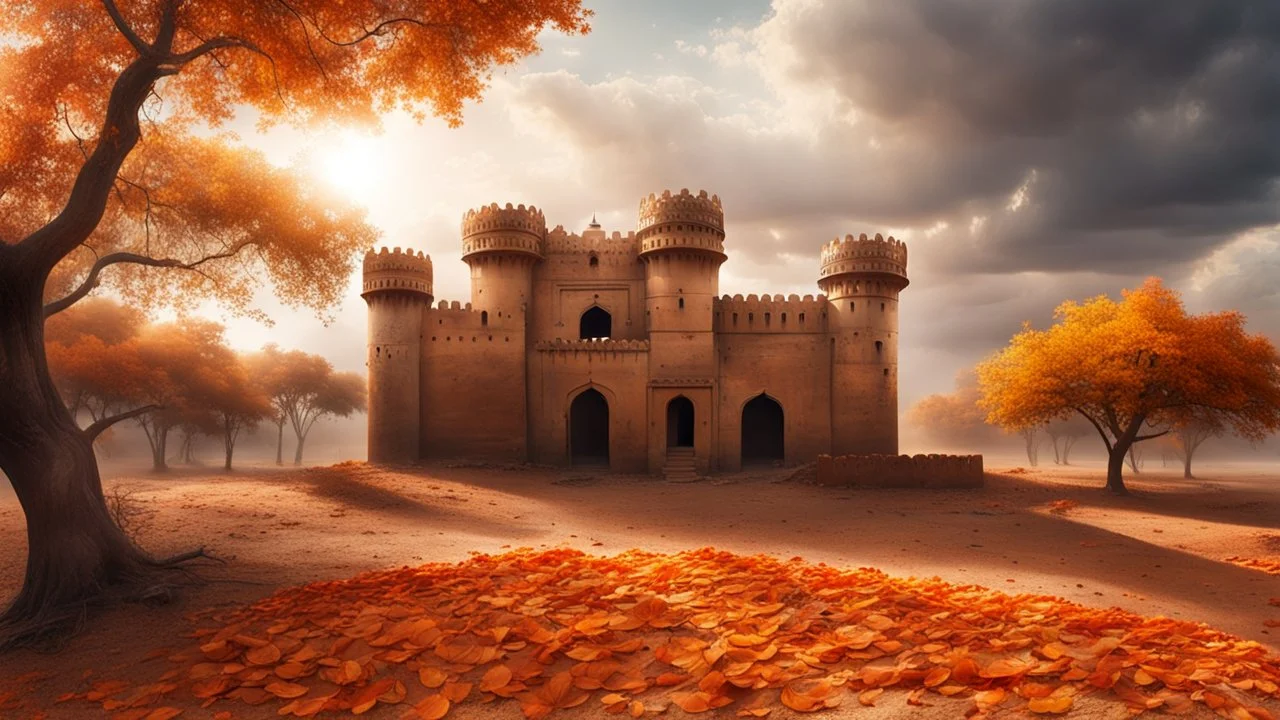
column 594, row 261
column 595, row 324
column 879, row 346
column 681, row 303
column 484, row 318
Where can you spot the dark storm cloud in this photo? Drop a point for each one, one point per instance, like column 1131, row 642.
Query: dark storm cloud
column 1153, row 127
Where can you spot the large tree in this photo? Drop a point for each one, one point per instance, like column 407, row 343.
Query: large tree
column 107, row 177
column 1133, row 369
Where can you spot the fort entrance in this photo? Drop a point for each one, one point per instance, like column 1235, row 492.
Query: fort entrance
column 762, row 431
column 680, row 422
column 589, row 429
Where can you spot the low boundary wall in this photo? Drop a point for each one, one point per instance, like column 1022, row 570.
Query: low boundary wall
column 901, row 471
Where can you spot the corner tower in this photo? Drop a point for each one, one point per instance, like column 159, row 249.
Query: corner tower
column 862, row 278
column 501, row 246
column 397, row 288
column 682, row 246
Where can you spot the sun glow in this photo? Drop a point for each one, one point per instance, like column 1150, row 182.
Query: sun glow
column 355, row 164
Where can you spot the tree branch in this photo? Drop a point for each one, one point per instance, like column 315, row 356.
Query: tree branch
column 1140, row 438
column 1105, row 440
column 91, row 281
column 92, row 432
column 124, row 28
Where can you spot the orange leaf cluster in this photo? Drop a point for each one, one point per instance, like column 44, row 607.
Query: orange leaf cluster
column 1270, row 567
column 701, row 630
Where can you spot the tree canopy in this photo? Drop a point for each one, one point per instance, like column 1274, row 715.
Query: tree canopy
column 1135, row 368
column 114, row 170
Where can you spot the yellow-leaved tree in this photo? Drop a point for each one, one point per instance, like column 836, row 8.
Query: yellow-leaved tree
column 108, row 176
column 1135, row 369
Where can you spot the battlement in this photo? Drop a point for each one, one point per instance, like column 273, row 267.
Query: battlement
column 770, row 313
column 397, row 270
column 510, row 229
column 703, row 210
column 615, row 346
column 561, row 242
column 859, row 255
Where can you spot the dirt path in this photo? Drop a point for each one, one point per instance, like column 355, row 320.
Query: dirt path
column 1158, row 553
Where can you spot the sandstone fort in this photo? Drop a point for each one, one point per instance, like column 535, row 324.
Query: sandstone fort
column 618, row 350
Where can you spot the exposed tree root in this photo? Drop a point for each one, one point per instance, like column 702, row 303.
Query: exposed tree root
column 33, row 623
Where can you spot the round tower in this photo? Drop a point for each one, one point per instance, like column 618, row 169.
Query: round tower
column 501, row 245
column 862, row 278
column 397, row 288
column 682, row 245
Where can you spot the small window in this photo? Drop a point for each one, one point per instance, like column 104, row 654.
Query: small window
column 751, row 318
column 886, row 372
column 766, row 319
column 735, row 318
column 881, row 307
column 595, row 261
column 879, row 346
column 850, row 307
column 681, row 303
column 484, row 318
column 801, row 318
column 784, row 318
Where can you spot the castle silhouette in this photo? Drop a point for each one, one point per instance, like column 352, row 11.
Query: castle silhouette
column 617, row 349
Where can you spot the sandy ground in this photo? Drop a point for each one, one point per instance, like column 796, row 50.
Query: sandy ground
column 1160, row 552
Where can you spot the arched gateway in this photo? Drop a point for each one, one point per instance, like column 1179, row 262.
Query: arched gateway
column 762, row 431
column 589, row 429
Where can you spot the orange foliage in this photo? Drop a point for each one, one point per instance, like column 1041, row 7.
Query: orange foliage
column 1133, row 365
column 754, row 633
column 184, row 198
column 955, row 420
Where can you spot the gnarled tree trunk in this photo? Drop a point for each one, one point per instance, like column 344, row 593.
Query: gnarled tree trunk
column 74, row 550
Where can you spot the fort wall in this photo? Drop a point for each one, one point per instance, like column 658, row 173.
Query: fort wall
column 791, row 368
column 901, row 471
column 561, row 369
column 473, row 384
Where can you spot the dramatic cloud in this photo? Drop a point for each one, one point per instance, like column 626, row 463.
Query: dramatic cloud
column 1029, row 152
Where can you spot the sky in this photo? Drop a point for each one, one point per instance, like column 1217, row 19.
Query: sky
column 1027, row 152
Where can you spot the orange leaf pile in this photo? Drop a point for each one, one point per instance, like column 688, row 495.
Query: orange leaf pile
column 700, row 630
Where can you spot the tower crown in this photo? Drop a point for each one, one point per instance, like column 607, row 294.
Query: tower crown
column 880, row 256
column 397, row 271
column 492, row 229
column 681, row 221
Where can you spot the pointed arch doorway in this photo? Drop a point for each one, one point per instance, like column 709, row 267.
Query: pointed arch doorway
column 589, row 429
column 763, row 431
column 680, row 422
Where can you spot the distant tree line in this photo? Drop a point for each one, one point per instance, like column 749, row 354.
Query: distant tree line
column 180, row 380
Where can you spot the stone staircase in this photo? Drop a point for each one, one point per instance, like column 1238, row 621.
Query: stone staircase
column 680, row 465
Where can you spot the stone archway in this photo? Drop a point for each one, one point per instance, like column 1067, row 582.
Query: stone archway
column 589, row 429
column 595, row 324
column 680, row 422
column 763, row 431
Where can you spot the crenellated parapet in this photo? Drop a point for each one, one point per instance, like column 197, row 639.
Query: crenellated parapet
column 845, row 260
column 683, row 221
column 517, row 230
column 561, row 242
column 771, row 313
column 594, row 346
column 397, row 271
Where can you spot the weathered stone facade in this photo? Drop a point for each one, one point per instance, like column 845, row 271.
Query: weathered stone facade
column 618, row 349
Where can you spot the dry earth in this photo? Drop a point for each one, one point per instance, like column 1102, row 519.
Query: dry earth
column 1160, row 552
